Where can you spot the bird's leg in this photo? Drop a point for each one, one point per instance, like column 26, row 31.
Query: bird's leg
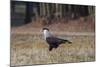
column 50, row 48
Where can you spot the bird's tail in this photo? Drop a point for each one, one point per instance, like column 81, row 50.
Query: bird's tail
column 64, row 41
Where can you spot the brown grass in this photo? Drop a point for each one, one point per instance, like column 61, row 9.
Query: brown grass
column 78, row 25
column 28, row 49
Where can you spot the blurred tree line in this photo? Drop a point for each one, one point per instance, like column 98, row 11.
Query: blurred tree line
column 50, row 12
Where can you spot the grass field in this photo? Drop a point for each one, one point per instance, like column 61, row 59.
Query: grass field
column 29, row 49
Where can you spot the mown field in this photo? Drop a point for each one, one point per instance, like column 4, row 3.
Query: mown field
column 30, row 49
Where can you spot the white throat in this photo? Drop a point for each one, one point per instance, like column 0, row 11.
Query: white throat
column 47, row 34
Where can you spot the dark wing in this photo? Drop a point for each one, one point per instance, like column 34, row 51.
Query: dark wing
column 54, row 40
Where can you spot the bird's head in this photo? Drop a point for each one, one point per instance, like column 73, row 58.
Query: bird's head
column 45, row 29
column 46, row 32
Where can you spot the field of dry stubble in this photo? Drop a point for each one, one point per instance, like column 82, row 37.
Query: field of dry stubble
column 30, row 49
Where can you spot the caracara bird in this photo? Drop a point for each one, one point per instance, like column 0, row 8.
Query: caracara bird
column 53, row 41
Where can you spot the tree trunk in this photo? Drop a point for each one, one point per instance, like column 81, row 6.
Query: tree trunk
column 29, row 10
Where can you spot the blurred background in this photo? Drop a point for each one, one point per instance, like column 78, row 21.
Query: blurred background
column 36, row 15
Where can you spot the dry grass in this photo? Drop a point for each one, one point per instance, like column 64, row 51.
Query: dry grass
column 28, row 49
column 78, row 25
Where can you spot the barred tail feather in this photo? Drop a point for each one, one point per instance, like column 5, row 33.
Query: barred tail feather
column 64, row 41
